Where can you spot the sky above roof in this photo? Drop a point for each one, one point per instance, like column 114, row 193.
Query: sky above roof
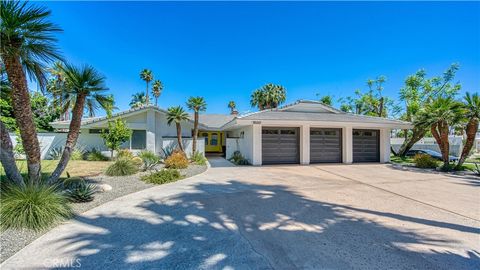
column 225, row 50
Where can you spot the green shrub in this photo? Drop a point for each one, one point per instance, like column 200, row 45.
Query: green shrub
column 122, row 167
column 77, row 154
column 71, row 181
column 55, row 153
column 424, row 161
column 149, row 159
column 162, row 177
column 81, row 192
column 177, row 160
column 32, row 206
column 124, row 153
column 198, row 158
column 238, row 159
column 476, row 170
column 138, row 161
column 95, row 155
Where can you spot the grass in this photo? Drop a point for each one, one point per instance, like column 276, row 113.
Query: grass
column 401, row 160
column 79, row 168
column 122, row 167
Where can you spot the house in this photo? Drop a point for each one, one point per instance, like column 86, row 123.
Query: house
column 300, row 133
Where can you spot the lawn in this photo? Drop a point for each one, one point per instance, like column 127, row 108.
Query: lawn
column 401, row 160
column 74, row 167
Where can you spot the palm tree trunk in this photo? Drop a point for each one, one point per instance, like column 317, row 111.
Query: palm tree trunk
column 179, row 136
column 147, row 96
column 446, row 144
column 417, row 134
column 156, row 101
column 22, row 111
column 7, row 158
column 74, row 130
column 195, row 133
column 471, row 131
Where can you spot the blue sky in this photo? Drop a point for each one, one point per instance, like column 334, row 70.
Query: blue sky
column 225, row 50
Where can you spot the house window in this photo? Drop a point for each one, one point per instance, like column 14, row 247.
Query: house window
column 138, row 140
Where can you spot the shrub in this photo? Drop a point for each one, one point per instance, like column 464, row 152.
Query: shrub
column 476, row 170
column 168, row 151
column 122, row 167
column 71, row 181
column 95, row 155
column 81, row 192
column 176, row 160
column 124, row 153
column 33, row 206
column 149, row 159
column 55, row 153
column 425, row 161
column 198, row 158
column 162, row 177
column 138, row 161
column 238, row 159
column 77, row 154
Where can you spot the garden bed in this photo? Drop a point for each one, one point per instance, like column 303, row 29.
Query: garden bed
column 14, row 239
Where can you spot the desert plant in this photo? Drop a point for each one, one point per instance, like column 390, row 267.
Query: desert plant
column 95, row 155
column 177, row 160
column 425, row 161
column 162, row 177
column 138, row 161
column 32, row 206
column 55, row 153
column 81, row 192
column 71, row 182
column 122, row 167
column 124, row 153
column 238, row 159
column 168, row 151
column 149, row 159
column 77, row 154
column 476, row 170
column 198, row 158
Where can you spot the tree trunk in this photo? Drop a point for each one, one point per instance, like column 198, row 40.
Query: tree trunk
column 156, row 101
column 7, row 158
column 74, row 130
column 22, row 111
column 179, row 136
column 443, row 127
column 471, row 130
column 437, row 132
column 417, row 134
column 147, row 99
column 380, row 107
column 195, row 133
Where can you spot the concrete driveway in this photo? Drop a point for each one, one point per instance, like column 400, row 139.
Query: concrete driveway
column 282, row 217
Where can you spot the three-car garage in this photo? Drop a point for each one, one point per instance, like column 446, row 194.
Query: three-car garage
column 281, row 145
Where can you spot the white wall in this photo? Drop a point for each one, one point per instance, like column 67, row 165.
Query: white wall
column 171, row 131
column 456, row 144
column 172, row 143
column 243, row 143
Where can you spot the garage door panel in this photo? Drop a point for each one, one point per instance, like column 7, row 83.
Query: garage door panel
column 325, row 145
column 280, row 145
column 366, row 145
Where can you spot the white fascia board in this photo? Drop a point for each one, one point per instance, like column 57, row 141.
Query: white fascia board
column 296, row 123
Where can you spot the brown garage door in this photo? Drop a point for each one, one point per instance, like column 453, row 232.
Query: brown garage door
column 280, row 145
column 366, row 145
column 325, row 145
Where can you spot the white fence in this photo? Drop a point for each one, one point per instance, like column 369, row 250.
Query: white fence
column 456, row 144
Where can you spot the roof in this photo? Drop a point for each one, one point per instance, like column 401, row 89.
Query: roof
column 213, row 121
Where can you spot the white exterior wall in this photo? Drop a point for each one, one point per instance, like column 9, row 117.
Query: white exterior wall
column 347, row 144
column 429, row 143
column 305, row 144
column 187, row 145
column 242, row 142
column 384, row 145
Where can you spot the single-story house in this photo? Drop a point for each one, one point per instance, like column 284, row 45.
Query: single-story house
column 300, row 133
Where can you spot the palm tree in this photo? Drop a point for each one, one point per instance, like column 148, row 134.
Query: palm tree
column 85, row 85
column 258, row 99
column 56, row 87
column 196, row 104
column 232, row 106
column 157, row 90
column 441, row 114
column 178, row 115
column 138, row 100
column 472, row 113
column 27, row 43
column 275, row 95
column 147, row 76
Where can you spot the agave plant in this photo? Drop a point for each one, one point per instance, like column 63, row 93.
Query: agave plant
column 81, row 192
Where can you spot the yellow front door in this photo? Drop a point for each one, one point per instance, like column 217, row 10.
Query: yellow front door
column 213, row 141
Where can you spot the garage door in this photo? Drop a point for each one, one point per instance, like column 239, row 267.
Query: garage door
column 280, row 145
column 366, row 145
column 325, row 145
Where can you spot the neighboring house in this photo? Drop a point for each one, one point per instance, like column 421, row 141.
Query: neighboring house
column 304, row 132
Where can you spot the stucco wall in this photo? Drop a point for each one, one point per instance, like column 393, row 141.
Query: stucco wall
column 171, row 143
column 243, row 143
column 171, row 131
column 456, row 144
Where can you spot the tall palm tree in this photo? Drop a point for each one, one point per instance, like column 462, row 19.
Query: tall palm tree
column 232, row 106
column 86, row 85
column 472, row 113
column 138, row 100
column 27, row 44
column 441, row 114
column 196, row 104
column 147, row 76
column 258, row 99
column 177, row 115
column 275, row 95
column 157, row 90
column 56, row 86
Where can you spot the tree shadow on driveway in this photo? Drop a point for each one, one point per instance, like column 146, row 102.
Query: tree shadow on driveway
column 249, row 226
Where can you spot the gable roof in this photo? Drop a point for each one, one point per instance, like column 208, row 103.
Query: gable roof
column 313, row 104
column 213, row 121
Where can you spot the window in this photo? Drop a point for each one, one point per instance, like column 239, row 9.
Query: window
column 315, row 132
column 139, row 139
column 287, row 131
column 214, row 140
column 205, row 135
column 269, row 131
column 330, row 132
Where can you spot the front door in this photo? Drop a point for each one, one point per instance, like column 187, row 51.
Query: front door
column 213, row 141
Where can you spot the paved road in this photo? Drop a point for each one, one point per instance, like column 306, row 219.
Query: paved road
column 281, row 217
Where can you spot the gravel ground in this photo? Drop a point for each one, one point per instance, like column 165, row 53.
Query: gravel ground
column 12, row 240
